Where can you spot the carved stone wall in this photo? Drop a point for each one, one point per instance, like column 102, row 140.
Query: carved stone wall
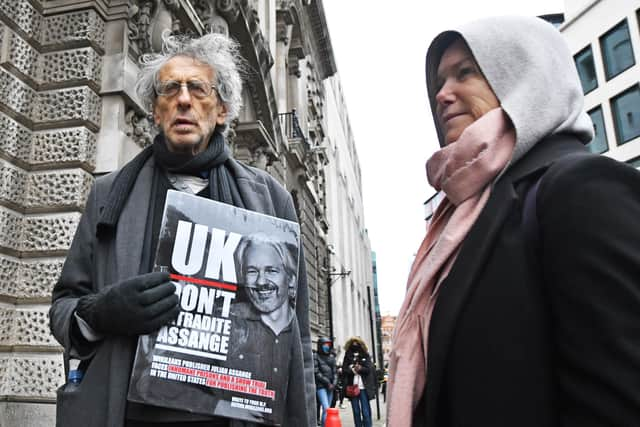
column 305, row 159
column 50, row 108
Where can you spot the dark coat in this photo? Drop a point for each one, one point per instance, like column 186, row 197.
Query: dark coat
column 95, row 263
column 367, row 370
column 325, row 370
column 549, row 336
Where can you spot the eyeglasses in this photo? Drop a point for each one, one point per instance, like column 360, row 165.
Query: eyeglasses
column 196, row 88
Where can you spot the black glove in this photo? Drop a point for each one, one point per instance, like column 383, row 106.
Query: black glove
column 135, row 306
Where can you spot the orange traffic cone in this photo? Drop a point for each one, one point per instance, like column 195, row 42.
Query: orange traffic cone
column 333, row 418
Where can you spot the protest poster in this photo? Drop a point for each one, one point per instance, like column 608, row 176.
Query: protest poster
column 228, row 352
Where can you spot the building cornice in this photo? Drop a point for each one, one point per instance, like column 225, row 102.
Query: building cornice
column 575, row 17
column 321, row 39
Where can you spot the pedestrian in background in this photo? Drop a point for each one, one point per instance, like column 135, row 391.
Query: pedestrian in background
column 383, row 382
column 523, row 303
column 359, row 379
column 324, row 363
column 338, row 396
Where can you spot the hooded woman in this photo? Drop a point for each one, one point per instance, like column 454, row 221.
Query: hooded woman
column 324, row 363
column 357, row 369
column 523, row 303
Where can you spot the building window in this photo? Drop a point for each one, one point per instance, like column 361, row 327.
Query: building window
column 586, row 69
column 635, row 162
column 599, row 142
column 616, row 49
column 626, row 114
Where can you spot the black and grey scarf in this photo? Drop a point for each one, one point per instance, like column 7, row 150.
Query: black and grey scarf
column 211, row 163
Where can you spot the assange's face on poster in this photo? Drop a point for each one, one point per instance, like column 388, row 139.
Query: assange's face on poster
column 266, row 278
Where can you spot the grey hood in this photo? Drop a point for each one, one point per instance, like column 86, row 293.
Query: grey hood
column 527, row 63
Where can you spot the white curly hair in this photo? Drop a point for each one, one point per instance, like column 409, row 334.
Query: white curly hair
column 218, row 51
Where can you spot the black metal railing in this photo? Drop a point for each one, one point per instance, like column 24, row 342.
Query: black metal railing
column 291, row 126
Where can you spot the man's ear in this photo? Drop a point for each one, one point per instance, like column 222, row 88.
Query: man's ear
column 222, row 114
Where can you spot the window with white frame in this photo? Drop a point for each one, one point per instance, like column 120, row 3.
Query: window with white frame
column 599, row 142
column 617, row 52
column 626, row 114
column 586, row 69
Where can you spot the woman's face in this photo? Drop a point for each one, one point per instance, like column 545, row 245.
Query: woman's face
column 463, row 93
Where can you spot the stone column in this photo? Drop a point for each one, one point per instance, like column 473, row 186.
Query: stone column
column 281, row 74
column 50, row 77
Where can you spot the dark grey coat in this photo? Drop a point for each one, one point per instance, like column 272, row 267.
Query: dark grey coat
column 93, row 264
column 325, row 370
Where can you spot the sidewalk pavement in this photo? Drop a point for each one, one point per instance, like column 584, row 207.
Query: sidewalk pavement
column 346, row 415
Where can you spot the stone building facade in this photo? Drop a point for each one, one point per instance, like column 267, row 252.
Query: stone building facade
column 68, row 112
column 350, row 267
column 604, row 37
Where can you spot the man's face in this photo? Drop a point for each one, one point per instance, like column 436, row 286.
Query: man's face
column 188, row 121
column 266, row 278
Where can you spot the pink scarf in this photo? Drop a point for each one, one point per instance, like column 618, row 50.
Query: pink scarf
column 464, row 170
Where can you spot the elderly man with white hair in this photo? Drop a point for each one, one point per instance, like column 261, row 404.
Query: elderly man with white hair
column 107, row 295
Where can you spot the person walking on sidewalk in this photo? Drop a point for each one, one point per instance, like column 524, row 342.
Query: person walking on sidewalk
column 358, row 370
column 324, row 363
